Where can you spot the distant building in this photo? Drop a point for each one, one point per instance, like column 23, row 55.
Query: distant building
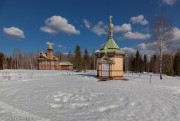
column 47, row 61
column 65, row 65
column 110, row 58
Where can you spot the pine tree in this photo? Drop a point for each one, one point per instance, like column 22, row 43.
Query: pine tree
column 78, row 58
column 1, row 60
column 137, row 62
column 176, row 63
column 141, row 64
column 145, row 63
column 92, row 62
column 86, row 60
column 131, row 63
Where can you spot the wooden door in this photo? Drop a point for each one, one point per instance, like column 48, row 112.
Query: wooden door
column 105, row 70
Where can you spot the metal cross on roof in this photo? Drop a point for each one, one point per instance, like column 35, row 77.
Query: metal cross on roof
column 110, row 17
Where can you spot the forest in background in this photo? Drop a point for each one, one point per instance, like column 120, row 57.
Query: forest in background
column 136, row 63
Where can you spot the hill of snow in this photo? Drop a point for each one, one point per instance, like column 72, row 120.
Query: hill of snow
column 32, row 95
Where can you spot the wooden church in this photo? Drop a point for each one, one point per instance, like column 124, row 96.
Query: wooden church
column 48, row 61
column 110, row 58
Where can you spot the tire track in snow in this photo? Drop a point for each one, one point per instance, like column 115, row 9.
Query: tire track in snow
column 15, row 112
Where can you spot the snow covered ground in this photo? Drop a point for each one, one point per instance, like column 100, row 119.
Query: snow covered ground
column 32, row 95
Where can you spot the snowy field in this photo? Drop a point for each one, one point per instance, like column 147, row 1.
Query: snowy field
column 32, row 95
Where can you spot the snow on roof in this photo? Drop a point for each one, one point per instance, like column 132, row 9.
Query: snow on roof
column 65, row 63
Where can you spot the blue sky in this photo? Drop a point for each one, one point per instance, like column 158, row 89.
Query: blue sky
column 30, row 24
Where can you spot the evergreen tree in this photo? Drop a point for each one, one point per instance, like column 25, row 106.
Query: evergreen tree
column 141, row 64
column 86, row 60
column 131, row 63
column 1, row 61
column 137, row 62
column 176, row 63
column 93, row 60
column 78, row 58
column 145, row 63
column 134, row 65
column 151, row 64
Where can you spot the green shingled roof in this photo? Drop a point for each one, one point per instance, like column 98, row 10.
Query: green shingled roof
column 109, row 51
column 110, row 44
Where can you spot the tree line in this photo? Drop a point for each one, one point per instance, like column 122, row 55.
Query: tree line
column 20, row 60
column 141, row 63
column 134, row 62
column 137, row 63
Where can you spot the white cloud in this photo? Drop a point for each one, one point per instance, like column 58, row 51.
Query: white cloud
column 99, row 28
column 139, row 20
column 148, row 49
column 169, row 2
column 176, row 34
column 147, row 46
column 56, row 24
column 136, row 35
column 142, row 46
column 87, row 23
column 129, row 50
column 65, row 53
column 176, row 38
column 14, row 32
column 152, row 47
column 49, row 43
column 60, row 46
column 123, row 28
column 132, row 51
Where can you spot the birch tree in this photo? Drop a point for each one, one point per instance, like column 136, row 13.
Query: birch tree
column 161, row 34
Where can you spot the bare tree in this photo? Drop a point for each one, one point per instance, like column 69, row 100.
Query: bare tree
column 16, row 53
column 58, row 55
column 161, row 34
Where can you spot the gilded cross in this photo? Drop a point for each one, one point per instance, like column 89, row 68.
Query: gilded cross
column 110, row 17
